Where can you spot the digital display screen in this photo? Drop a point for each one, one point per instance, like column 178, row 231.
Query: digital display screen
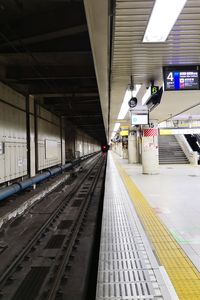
column 140, row 119
column 176, row 80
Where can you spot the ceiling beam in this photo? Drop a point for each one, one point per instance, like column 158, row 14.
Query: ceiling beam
column 62, row 106
column 64, row 100
column 51, row 77
column 93, row 125
column 81, row 116
column 49, row 72
column 36, row 89
column 35, row 12
column 48, row 36
column 73, row 95
column 95, row 130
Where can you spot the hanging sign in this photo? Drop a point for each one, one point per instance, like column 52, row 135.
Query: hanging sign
column 154, row 89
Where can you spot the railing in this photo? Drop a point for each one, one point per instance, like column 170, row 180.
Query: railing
column 192, row 156
column 198, row 138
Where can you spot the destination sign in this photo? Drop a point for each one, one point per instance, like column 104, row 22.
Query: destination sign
column 181, row 80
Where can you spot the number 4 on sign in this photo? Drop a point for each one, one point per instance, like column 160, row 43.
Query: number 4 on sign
column 170, row 76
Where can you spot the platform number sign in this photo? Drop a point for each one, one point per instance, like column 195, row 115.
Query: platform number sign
column 182, row 80
column 170, row 76
column 154, row 89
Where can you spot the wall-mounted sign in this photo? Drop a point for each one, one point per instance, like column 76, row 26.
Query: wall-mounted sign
column 124, row 130
column 166, row 131
column 124, row 133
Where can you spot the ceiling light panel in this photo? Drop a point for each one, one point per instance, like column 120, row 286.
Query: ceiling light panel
column 163, row 18
column 127, row 97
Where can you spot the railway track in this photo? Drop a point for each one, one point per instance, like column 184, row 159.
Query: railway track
column 42, row 267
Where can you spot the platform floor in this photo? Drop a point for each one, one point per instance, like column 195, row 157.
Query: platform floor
column 168, row 205
column 174, row 195
column 128, row 268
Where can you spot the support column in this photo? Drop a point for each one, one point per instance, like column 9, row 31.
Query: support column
column 32, row 136
column 132, row 147
column 62, row 138
column 125, row 147
column 36, row 134
column 150, row 159
column 119, row 148
column 28, row 134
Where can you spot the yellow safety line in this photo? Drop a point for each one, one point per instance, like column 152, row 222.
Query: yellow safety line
column 183, row 274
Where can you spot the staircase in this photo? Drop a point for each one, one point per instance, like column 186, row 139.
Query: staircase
column 170, row 151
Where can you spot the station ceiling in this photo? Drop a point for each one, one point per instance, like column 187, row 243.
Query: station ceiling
column 76, row 56
column 45, row 51
column 144, row 61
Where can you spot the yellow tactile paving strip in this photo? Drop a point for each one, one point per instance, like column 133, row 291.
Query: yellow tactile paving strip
column 183, row 274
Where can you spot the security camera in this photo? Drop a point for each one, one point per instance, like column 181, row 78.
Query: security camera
column 132, row 102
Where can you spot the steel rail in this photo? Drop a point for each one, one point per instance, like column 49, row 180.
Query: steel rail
column 27, row 249
column 76, row 230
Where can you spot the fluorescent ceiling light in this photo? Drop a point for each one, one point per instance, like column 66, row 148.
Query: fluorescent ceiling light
column 116, row 127
column 163, row 18
column 112, row 136
column 146, row 96
column 127, row 97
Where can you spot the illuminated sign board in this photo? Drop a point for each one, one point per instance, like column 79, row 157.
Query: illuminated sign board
column 124, row 133
column 170, row 131
column 140, row 119
column 154, row 89
column 181, row 78
column 124, row 130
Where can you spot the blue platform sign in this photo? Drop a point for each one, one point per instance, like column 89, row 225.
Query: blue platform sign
column 181, row 80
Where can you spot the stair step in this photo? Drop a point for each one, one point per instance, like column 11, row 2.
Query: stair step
column 172, row 159
column 177, row 159
column 170, row 151
column 173, row 163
